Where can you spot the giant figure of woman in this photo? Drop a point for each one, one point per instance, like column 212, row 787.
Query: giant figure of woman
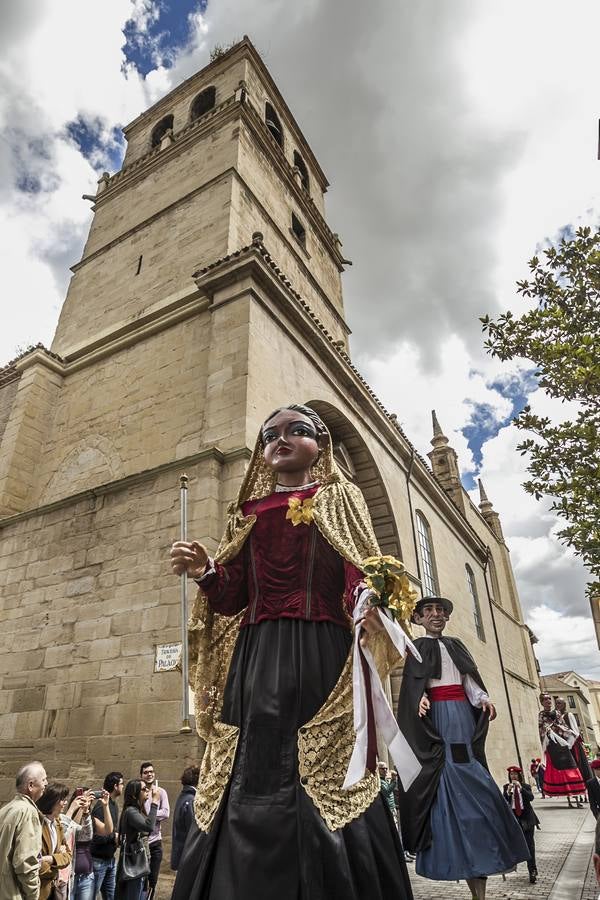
column 271, row 653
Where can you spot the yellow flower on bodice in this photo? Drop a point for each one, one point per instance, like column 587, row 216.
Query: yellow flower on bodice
column 300, row 511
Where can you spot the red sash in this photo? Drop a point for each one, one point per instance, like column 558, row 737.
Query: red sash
column 447, row 692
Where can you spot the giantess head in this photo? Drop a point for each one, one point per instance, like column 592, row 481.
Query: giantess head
column 292, row 439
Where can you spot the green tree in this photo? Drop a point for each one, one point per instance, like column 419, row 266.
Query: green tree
column 560, row 334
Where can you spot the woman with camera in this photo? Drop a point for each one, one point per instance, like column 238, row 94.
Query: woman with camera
column 134, row 828
column 80, row 833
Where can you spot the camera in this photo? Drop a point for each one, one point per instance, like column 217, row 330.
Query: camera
column 97, row 794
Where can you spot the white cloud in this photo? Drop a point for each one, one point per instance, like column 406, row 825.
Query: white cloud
column 453, row 388
column 565, row 642
column 60, row 64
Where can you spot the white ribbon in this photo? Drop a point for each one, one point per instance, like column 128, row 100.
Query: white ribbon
column 407, row 764
column 553, row 736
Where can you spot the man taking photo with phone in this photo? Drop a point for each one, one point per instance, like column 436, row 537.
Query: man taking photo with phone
column 148, row 776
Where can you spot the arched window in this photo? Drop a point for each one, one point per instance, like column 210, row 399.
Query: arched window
column 476, row 608
column 429, row 577
column 273, row 124
column 160, row 130
column 344, row 460
column 203, row 102
column 301, row 165
column 494, row 581
column 298, row 229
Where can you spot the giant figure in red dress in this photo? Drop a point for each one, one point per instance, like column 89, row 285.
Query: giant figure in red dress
column 271, row 638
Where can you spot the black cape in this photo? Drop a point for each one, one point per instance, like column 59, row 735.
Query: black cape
column 427, row 744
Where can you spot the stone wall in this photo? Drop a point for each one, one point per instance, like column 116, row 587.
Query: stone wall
column 129, row 411
column 86, row 595
column 107, row 290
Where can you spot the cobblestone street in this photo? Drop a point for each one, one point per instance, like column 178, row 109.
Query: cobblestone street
column 563, row 850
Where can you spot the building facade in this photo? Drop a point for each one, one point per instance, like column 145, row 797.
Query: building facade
column 208, row 293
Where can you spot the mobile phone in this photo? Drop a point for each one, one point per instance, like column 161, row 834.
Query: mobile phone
column 79, row 792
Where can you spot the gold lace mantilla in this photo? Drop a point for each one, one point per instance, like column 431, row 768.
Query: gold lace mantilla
column 325, row 743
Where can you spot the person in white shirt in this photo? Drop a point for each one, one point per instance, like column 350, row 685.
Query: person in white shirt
column 148, row 776
column 453, row 815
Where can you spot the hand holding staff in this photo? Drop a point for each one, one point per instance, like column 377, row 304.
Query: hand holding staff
column 190, row 558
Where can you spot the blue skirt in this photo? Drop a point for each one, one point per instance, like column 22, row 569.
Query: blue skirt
column 474, row 831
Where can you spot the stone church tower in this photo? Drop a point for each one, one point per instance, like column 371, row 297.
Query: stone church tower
column 209, row 293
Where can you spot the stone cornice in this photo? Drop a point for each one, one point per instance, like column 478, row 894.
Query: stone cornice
column 121, row 484
column 522, row 679
column 41, row 356
column 505, row 612
column 37, row 353
column 174, row 309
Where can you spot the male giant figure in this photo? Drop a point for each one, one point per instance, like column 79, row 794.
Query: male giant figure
column 453, row 815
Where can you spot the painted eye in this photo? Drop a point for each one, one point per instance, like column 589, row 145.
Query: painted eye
column 303, row 430
column 268, row 437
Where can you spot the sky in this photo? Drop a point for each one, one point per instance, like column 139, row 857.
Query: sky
column 459, row 139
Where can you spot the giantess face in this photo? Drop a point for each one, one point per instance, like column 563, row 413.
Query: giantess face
column 290, row 442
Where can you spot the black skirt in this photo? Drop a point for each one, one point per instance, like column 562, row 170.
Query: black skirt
column 268, row 841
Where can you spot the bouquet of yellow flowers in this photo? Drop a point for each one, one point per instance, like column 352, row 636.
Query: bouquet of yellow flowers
column 387, row 577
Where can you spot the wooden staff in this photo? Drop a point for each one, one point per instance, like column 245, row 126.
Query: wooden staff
column 185, row 723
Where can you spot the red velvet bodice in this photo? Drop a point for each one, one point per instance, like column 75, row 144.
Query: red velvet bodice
column 284, row 570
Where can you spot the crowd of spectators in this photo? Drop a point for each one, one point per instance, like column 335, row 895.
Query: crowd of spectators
column 61, row 843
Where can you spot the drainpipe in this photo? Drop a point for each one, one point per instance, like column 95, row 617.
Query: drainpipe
column 410, row 507
column 491, row 605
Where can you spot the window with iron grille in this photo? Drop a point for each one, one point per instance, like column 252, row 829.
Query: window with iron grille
column 429, row 578
column 476, row 608
column 571, row 700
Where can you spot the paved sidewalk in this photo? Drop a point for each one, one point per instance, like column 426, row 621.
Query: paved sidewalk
column 563, row 851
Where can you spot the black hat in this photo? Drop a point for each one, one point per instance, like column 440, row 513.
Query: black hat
column 447, row 604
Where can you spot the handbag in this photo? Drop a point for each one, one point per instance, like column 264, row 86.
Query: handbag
column 560, row 756
column 60, row 890
column 134, row 860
